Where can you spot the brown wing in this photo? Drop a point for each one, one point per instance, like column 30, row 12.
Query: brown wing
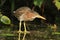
column 21, row 11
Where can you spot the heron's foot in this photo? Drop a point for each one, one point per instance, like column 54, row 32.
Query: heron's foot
column 20, row 31
column 25, row 31
column 24, row 36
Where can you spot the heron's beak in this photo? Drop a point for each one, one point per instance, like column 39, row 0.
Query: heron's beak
column 41, row 17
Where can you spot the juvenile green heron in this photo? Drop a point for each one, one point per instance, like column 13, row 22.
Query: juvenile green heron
column 26, row 14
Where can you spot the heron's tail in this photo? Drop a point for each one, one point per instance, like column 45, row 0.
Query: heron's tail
column 41, row 17
column 13, row 11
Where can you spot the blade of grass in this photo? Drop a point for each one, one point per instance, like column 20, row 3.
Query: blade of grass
column 56, row 33
column 7, row 34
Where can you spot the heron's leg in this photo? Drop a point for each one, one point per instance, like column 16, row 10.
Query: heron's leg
column 25, row 31
column 19, row 31
column 25, row 27
column 24, row 36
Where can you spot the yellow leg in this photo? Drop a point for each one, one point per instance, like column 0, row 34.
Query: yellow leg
column 19, row 31
column 25, row 31
column 24, row 36
column 25, row 27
